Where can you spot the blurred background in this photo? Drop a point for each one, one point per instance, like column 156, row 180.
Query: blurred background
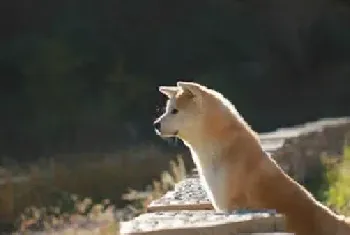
column 79, row 81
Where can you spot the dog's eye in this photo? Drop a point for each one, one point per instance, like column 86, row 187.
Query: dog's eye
column 174, row 111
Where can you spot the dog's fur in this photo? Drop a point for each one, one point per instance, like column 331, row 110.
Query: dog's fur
column 232, row 165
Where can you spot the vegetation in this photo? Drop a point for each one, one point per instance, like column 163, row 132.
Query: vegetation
column 54, row 210
column 338, row 176
column 84, row 216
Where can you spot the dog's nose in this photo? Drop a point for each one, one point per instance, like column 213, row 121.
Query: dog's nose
column 156, row 125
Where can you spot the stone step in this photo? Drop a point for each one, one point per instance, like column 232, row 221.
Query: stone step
column 202, row 222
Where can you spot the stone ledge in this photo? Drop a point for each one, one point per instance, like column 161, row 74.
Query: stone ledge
column 300, row 156
column 202, row 222
column 297, row 130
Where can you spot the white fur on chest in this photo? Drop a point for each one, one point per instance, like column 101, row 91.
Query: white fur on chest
column 213, row 178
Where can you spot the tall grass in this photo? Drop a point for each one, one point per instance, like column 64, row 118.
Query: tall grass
column 72, row 214
column 97, row 176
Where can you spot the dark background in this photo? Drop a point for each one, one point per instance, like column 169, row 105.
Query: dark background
column 81, row 76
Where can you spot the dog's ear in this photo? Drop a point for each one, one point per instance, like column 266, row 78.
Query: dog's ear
column 169, row 91
column 192, row 88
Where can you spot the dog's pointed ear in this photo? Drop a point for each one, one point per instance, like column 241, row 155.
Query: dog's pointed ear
column 191, row 87
column 169, row 91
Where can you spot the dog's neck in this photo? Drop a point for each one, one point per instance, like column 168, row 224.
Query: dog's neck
column 204, row 153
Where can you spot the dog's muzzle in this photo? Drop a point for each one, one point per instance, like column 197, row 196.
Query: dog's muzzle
column 157, row 129
column 156, row 125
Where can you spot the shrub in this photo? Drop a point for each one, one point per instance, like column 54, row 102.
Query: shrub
column 338, row 176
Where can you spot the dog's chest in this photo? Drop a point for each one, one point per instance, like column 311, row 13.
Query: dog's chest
column 212, row 176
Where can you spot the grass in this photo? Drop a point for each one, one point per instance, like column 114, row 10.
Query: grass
column 72, row 214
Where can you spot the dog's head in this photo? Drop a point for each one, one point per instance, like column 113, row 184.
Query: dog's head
column 183, row 111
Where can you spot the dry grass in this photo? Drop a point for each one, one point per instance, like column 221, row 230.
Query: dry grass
column 168, row 179
column 85, row 218
column 98, row 176
column 71, row 214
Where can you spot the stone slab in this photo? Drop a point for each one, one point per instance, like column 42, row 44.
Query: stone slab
column 202, row 222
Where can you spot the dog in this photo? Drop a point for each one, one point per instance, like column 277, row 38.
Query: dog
column 232, row 165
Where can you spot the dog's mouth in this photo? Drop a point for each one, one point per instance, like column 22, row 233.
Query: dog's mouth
column 157, row 132
column 162, row 134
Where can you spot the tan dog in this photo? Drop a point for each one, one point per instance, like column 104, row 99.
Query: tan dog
column 232, row 165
